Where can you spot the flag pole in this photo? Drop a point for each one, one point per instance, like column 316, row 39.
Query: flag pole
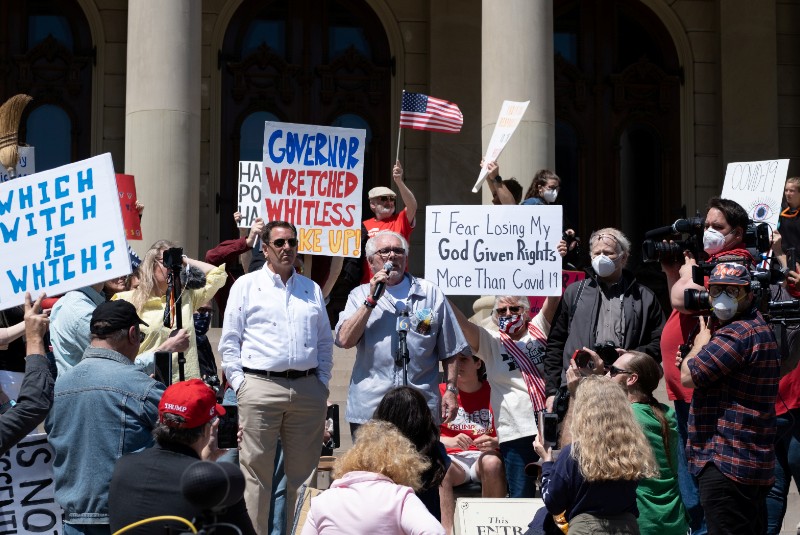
column 399, row 132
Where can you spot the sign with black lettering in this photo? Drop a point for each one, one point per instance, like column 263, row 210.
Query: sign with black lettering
column 499, row 250
column 250, row 177
column 27, row 489
column 758, row 187
column 494, row 516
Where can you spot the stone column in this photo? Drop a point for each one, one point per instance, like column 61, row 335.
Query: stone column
column 517, row 64
column 162, row 118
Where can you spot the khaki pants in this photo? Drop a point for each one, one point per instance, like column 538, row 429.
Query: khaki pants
column 587, row 524
column 293, row 409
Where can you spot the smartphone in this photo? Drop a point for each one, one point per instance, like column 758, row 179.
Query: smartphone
column 163, row 367
column 582, row 358
column 228, row 428
column 791, row 258
column 548, row 427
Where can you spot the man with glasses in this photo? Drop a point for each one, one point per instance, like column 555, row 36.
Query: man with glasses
column 369, row 323
column 514, row 358
column 277, row 354
column 734, row 368
column 103, row 408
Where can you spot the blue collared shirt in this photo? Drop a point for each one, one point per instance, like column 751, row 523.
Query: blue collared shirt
column 69, row 326
column 434, row 335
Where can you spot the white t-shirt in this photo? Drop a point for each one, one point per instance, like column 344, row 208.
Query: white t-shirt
column 514, row 416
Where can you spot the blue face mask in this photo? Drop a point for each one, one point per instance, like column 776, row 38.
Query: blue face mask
column 202, row 321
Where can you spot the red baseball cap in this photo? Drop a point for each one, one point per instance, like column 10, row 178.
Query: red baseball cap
column 193, row 400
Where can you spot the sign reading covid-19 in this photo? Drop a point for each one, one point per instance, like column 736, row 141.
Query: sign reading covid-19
column 758, row 187
column 509, row 250
column 60, row 230
column 312, row 178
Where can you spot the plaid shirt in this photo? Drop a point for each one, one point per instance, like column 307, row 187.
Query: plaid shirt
column 732, row 417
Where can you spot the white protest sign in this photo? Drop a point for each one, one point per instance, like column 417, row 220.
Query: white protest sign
column 479, row 250
column 757, row 187
column 494, row 516
column 25, row 166
column 61, row 230
column 27, row 491
column 250, row 178
column 313, row 179
column 510, row 115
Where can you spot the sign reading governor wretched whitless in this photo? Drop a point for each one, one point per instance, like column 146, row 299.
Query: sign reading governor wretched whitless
column 494, row 250
column 312, row 178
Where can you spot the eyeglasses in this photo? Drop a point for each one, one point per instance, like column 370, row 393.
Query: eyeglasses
column 141, row 337
column 732, row 291
column 398, row 251
column 502, row 311
column 280, row 242
column 384, row 198
column 613, row 371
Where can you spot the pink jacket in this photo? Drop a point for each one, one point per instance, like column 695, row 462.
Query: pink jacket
column 365, row 502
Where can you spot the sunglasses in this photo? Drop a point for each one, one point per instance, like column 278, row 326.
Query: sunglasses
column 732, row 291
column 280, row 242
column 502, row 311
column 613, row 371
column 384, row 198
column 398, row 251
column 141, row 337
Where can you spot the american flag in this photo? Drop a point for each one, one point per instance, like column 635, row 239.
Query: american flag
column 422, row 112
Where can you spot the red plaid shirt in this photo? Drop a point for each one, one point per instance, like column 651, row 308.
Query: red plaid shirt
column 732, row 417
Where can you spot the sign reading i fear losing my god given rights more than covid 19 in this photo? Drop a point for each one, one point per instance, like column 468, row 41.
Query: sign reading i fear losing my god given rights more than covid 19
column 312, row 178
column 60, row 230
column 509, row 250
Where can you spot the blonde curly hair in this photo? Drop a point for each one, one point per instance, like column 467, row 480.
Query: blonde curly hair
column 607, row 441
column 147, row 280
column 381, row 448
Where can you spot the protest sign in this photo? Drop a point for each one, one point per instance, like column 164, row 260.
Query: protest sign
column 250, row 178
column 510, row 115
column 567, row 278
column 509, row 250
column 758, row 187
column 60, row 230
column 312, row 178
column 26, row 165
column 126, row 188
column 27, row 494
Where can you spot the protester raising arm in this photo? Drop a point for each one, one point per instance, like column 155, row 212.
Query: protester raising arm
column 405, row 193
column 9, row 334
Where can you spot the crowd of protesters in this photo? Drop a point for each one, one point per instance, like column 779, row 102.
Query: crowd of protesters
column 721, row 461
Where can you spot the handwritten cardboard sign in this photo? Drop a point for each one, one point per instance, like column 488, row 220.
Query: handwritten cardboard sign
column 567, row 278
column 126, row 189
column 758, row 187
column 508, row 250
column 313, row 177
column 249, row 193
column 60, row 230
column 510, row 115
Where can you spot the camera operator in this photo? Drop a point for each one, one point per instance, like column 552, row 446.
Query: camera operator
column 723, row 239
column 733, row 367
column 609, row 306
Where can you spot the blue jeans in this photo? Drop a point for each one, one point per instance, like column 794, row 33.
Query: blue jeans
column 277, row 502
column 690, row 490
column 87, row 529
column 787, row 466
column 516, row 455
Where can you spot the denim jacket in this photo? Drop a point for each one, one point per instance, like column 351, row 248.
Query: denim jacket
column 103, row 408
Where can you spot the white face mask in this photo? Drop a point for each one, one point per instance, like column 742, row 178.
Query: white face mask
column 713, row 241
column 724, row 306
column 550, row 195
column 603, row 265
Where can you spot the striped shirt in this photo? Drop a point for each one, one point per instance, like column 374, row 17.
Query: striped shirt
column 732, row 416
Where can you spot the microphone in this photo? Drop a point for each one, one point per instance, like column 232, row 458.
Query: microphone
column 387, row 267
column 212, row 486
column 403, row 322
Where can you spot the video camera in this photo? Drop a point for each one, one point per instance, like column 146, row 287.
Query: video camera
column 173, row 258
column 660, row 244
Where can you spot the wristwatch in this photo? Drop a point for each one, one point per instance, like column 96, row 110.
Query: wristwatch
column 7, row 405
column 453, row 389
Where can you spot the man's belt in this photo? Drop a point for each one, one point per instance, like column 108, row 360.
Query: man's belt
column 288, row 374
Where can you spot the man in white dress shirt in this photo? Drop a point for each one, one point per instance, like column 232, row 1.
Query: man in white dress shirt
column 277, row 353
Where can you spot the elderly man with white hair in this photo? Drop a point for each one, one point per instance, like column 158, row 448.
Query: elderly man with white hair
column 608, row 307
column 369, row 323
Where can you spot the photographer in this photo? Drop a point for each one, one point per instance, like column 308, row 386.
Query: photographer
column 734, row 367
column 608, row 308
column 152, row 300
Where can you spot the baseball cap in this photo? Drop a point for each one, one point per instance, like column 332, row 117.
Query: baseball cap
column 380, row 191
column 731, row 274
column 193, row 400
column 114, row 316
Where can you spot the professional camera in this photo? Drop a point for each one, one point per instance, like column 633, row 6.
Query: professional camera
column 213, row 382
column 607, row 351
column 760, row 280
column 655, row 250
column 173, row 258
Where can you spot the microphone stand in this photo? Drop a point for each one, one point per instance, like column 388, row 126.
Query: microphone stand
column 177, row 294
column 402, row 358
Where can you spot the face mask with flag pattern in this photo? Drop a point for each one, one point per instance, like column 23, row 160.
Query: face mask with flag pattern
column 511, row 325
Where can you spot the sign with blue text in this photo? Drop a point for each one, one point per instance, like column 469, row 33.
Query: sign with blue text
column 494, row 250
column 60, row 230
column 312, row 178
